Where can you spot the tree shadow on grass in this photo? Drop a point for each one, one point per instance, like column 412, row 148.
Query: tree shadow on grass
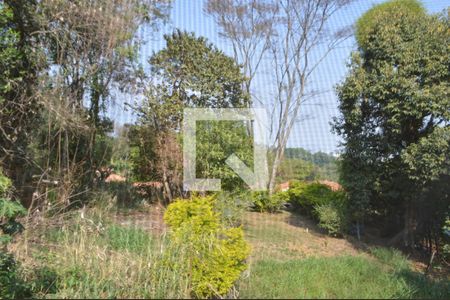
column 305, row 222
column 423, row 287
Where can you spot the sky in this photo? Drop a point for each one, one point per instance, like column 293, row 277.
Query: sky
column 313, row 130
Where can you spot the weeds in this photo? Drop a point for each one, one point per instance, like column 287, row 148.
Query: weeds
column 95, row 258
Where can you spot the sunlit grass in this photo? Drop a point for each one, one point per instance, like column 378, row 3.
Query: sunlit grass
column 339, row 277
column 93, row 259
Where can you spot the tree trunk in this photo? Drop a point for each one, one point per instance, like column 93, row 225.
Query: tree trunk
column 276, row 163
column 279, row 153
column 168, row 192
column 408, row 233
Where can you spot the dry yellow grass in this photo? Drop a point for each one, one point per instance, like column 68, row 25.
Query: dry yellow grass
column 287, row 235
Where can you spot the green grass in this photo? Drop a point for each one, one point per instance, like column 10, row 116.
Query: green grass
column 391, row 257
column 93, row 259
column 338, row 277
column 113, row 236
column 129, row 238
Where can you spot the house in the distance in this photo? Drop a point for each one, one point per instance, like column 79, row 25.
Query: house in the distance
column 334, row 186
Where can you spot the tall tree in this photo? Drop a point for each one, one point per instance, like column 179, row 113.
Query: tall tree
column 93, row 50
column 248, row 25
column 396, row 117
column 287, row 32
column 301, row 29
column 191, row 72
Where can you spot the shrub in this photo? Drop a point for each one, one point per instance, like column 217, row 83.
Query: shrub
column 11, row 283
column 332, row 218
column 5, row 184
column 45, row 281
column 280, row 198
column 232, row 206
column 216, row 254
column 9, row 211
column 307, row 196
column 263, row 202
column 124, row 193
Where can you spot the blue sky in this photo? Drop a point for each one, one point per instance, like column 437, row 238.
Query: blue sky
column 313, row 131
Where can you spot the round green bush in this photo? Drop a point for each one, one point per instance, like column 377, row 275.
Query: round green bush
column 216, row 254
column 263, row 202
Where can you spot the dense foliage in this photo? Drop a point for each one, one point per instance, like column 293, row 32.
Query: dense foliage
column 9, row 212
column 301, row 164
column 82, row 178
column 11, row 283
column 329, row 208
column 395, row 122
column 332, row 217
column 305, row 196
column 19, row 106
column 263, row 202
column 216, row 254
column 59, row 69
column 190, row 72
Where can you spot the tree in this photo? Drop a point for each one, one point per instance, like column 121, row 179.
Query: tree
column 93, row 49
column 289, row 31
column 19, row 101
column 298, row 169
column 216, row 141
column 248, row 25
column 63, row 58
column 191, row 72
column 301, row 29
column 325, row 165
column 395, row 117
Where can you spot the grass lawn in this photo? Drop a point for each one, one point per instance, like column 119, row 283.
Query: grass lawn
column 291, row 258
column 337, row 277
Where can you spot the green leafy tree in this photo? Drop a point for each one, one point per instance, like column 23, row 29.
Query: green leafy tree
column 216, row 141
column 191, row 72
column 58, row 70
column 142, row 153
column 297, row 169
column 92, row 53
column 302, row 164
column 395, row 117
column 19, row 56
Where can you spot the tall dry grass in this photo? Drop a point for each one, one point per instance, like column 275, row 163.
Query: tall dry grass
column 85, row 254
